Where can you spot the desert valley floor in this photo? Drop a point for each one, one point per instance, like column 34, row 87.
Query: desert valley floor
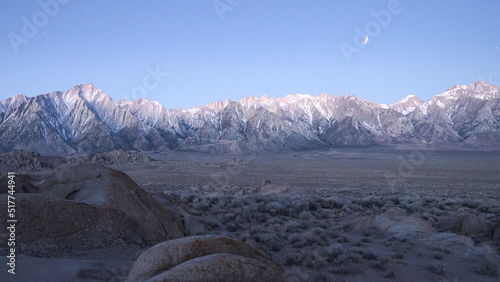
column 355, row 214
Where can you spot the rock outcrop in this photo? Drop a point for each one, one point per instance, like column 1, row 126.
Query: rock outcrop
column 394, row 222
column 205, row 258
column 454, row 243
column 447, row 223
column 397, row 223
column 116, row 157
column 469, row 225
column 90, row 207
column 25, row 160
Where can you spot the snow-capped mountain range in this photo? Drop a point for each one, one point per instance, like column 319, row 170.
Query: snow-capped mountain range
column 85, row 119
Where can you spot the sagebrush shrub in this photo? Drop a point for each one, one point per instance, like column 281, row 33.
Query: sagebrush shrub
column 305, row 215
column 486, row 267
column 332, row 252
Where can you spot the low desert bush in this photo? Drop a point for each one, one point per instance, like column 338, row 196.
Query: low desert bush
column 343, row 239
column 307, row 224
column 438, row 269
column 429, row 201
column 331, row 203
column 296, row 207
column 411, row 208
column 310, row 238
column 472, row 204
column 204, row 205
column 365, row 240
column 483, row 208
column 369, row 255
column 436, row 211
column 274, row 208
column 213, row 200
column 438, row 256
column 305, row 215
column 270, row 240
column 293, row 258
column 247, row 214
column 372, row 201
column 322, row 277
column 382, row 264
column 348, row 258
column 486, row 267
column 312, row 259
column 187, row 197
column 232, row 227
column 299, row 240
column 398, row 255
column 274, row 243
column 295, row 240
column 346, row 268
column 211, row 224
column 395, row 200
column 292, row 226
column 228, row 217
column 260, row 217
column 332, row 252
column 450, row 202
column 358, row 244
column 390, row 274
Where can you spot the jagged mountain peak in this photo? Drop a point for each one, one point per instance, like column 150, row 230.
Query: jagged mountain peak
column 92, row 94
column 291, row 98
column 478, row 85
column 480, row 90
column 265, row 99
column 86, row 86
column 13, row 102
column 250, row 102
column 140, row 101
column 19, row 98
column 218, row 106
column 410, row 100
column 485, row 86
column 407, row 105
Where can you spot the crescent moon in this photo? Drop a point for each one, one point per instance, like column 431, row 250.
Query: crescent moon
column 366, row 40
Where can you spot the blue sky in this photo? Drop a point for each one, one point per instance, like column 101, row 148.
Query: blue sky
column 236, row 48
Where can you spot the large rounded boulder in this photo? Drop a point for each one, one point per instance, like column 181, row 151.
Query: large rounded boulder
column 90, row 207
column 469, row 225
column 205, row 258
column 455, row 243
column 395, row 222
column 447, row 223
